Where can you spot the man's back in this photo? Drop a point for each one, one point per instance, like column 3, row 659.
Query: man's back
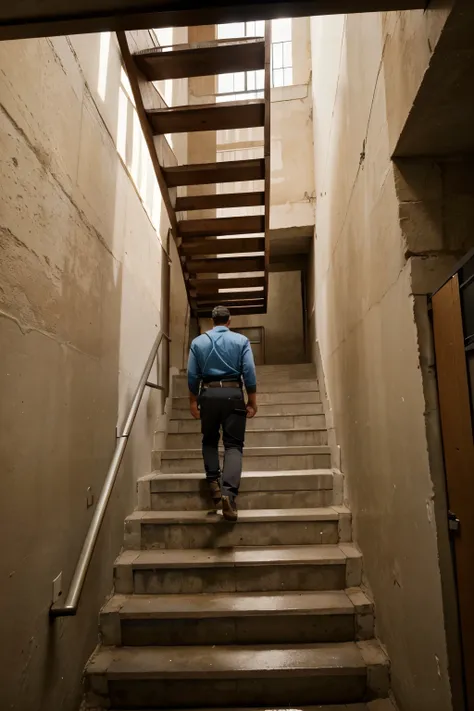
column 219, row 361
column 221, row 354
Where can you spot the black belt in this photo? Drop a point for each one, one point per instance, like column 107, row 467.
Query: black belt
column 222, row 384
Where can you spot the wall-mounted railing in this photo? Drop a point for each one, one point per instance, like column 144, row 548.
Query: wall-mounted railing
column 69, row 606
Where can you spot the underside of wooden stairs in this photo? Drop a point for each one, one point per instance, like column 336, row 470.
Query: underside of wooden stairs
column 224, row 258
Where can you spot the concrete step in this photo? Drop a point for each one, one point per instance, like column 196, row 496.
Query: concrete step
column 376, row 705
column 277, row 384
column 258, row 490
column 264, row 411
column 290, row 367
column 147, row 530
column 257, row 438
column 267, row 398
column 259, row 569
column 237, row 618
column 274, row 423
column 177, row 677
column 255, row 459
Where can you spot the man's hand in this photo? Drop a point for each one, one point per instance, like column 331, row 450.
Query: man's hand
column 194, row 407
column 252, row 406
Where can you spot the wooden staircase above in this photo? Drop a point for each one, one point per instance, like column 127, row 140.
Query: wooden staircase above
column 235, row 248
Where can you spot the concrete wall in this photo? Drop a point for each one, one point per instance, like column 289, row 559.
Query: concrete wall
column 81, row 274
column 366, row 71
column 283, row 322
column 292, row 187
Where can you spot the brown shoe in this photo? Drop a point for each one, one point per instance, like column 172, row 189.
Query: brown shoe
column 229, row 509
column 215, row 491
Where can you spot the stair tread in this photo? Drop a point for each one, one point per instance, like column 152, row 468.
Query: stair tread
column 337, row 602
column 381, row 705
column 201, row 59
column 266, row 431
column 336, row 554
column 378, row 705
column 245, row 475
column 184, row 416
column 219, row 172
column 192, row 453
column 329, row 513
column 226, row 115
column 218, row 201
column 230, row 662
column 252, row 481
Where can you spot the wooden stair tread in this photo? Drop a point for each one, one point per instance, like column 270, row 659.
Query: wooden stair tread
column 202, row 59
column 243, row 303
column 208, row 117
column 211, row 286
column 222, row 172
column 220, row 201
column 237, row 311
column 217, row 226
column 226, row 266
column 201, row 247
column 229, row 295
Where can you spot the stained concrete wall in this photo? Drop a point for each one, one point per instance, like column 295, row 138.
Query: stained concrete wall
column 283, row 322
column 371, row 254
column 81, row 274
column 292, row 186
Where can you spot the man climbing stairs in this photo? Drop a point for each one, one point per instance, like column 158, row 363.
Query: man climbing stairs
column 267, row 612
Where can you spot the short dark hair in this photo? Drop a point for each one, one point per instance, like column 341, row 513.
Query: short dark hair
column 220, row 315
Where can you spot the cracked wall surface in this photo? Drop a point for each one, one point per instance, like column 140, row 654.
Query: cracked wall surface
column 386, row 235
column 81, row 274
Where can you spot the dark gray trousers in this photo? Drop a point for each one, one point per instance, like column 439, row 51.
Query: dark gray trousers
column 223, row 407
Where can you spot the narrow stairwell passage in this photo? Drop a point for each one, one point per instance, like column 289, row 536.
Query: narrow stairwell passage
column 264, row 613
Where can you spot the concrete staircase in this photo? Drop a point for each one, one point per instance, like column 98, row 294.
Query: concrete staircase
column 265, row 613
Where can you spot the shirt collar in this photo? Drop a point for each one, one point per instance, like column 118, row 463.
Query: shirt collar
column 220, row 328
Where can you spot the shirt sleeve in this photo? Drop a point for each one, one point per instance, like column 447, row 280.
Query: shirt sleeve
column 194, row 372
column 248, row 368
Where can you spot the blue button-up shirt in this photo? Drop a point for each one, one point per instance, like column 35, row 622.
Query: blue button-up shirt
column 221, row 354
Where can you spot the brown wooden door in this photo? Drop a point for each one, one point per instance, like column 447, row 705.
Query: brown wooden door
column 457, row 431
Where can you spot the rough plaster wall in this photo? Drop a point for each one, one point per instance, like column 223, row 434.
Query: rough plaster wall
column 301, row 49
column 292, row 186
column 80, row 299
column 410, row 39
column 367, row 335
column 179, row 314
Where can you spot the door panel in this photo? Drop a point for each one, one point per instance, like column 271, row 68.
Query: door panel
column 456, row 424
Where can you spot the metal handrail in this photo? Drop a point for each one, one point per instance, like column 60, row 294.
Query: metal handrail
column 70, row 604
